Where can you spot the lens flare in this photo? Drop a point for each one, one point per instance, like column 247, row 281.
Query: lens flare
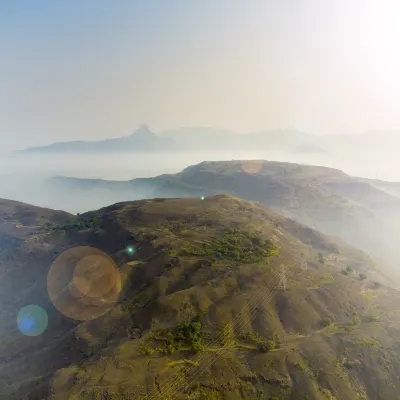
column 252, row 166
column 32, row 320
column 130, row 250
column 83, row 283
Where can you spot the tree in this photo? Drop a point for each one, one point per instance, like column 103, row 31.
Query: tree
column 265, row 347
column 349, row 270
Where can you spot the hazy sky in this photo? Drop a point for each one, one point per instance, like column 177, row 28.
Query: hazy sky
column 89, row 69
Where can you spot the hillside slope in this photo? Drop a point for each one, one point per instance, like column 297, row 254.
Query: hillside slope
column 323, row 198
column 392, row 188
column 220, row 299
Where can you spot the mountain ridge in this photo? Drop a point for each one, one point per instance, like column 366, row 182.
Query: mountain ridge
column 142, row 139
column 320, row 197
column 215, row 139
column 201, row 265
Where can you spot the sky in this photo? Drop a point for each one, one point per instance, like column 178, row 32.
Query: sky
column 92, row 69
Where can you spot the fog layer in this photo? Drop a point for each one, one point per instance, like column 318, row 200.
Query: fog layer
column 22, row 175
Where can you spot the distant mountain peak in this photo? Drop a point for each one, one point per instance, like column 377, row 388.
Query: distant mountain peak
column 143, row 131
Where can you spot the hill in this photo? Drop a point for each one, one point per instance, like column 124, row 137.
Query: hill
column 219, row 299
column 195, row 139
column 323, row 198
column 142, row 140
column 192, row 139
column 393, row 188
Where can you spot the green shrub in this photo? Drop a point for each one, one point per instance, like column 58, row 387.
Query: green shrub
column 189, row 334
column 197, row 347
column 146, row 349
column 368, row 342
column 267, row 346
column 78, row 224
column 320, row 258
column 237, row 246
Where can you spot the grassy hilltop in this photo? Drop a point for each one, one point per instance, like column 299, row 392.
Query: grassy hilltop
column 361, row 212
column 221, row 299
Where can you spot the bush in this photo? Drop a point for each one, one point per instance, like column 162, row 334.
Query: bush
column 363, row 277
column 146, row 349
column 197, row 347
column 189, row 334
column 326, row 321
column 368, row 342
column 237, row 246
column 348, row 271
column 267, row 346
column 78, row 223
column 320, row 258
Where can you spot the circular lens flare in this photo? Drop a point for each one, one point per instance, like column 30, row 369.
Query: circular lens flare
column 83, row 283
column 252, row 166
column 93, row 276
column 32, row 320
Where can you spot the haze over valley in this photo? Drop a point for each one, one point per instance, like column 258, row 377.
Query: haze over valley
column 199, row 200
column 145, row 154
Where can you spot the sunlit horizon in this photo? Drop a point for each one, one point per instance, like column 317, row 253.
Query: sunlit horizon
column 96, row 70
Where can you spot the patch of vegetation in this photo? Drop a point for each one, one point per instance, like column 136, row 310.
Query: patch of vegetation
column 267, row 346
column 320, row 258
column 204, row 394
column 189, row 334
column 227, row 334
column 316, row 281
column 362, row 277
column 263, row 345
column 77, row 224
column 237, row 246
column 173, row 252
column 350, row 328
column 351, row 364
column 138, row 302
column 348, row 271
column 146, row 348
column 186, row 335
column 368, row 342
column 327, row 321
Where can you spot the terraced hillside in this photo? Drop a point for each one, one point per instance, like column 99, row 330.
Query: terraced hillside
column 220, row 299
